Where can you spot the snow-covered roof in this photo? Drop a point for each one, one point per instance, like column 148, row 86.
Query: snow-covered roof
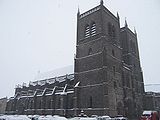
column 51, row 77
column 55, row 73
column 147, row 112
column 152, row 88
column 53, row 80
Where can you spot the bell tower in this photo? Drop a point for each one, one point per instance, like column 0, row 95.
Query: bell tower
column 98, row 62
column 132, row 73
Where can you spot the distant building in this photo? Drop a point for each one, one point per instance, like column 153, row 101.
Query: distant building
column 107, row 78
column 152, row 87
column 3, row 103
column 151, row 101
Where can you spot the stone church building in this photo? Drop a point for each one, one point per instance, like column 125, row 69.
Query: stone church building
column 107, row 78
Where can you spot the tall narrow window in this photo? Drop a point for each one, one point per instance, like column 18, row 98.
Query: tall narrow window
column 134, row 67
column 59, row 103
column 90, row 102
column 132, row 81
column 134, row 47
column 113, row 53
column 31, row 103
column 49, row 104
column 128, row 80
column 93, row 29
column 87, row 31
column 115, row 84
column 114, row 70
column 113, row 31
column 105, row 90
column 40, row 104
column 109, row 29
column 90, row 51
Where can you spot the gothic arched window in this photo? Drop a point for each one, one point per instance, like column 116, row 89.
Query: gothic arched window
column 111, row 30
column 87, row 31
column 93, row 29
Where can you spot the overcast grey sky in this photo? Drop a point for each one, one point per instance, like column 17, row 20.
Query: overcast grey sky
column 40, row 35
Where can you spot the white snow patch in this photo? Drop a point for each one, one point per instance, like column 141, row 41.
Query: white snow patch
column 152, row 88
column 57, row 72
column 14, row 117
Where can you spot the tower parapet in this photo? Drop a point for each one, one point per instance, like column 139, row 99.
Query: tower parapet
column 90, row 12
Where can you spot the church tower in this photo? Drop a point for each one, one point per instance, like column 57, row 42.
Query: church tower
column 132, row 75
column 98, row 66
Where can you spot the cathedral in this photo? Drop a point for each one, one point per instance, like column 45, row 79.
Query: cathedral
column 107, row 77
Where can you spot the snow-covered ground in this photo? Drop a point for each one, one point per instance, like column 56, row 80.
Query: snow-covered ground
column 30, row 117
column 37, row 117
column 49, row 117
column 14, row 117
